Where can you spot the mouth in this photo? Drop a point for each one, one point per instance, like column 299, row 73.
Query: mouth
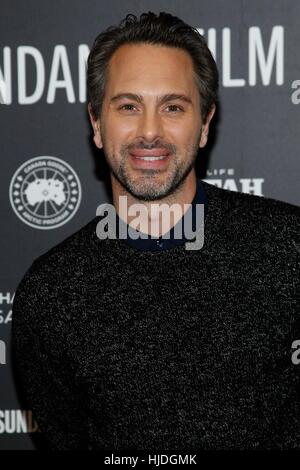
column 155, row 158
column 150, row 158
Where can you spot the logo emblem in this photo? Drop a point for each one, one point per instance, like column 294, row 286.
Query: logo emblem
column 45, row 192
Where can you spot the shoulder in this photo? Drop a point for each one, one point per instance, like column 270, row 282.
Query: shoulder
column 55, row 274
column 248, row 209
column 243, row 201
column 70, row 252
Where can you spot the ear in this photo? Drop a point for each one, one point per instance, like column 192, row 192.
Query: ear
column 205, row 127
column 96, row 127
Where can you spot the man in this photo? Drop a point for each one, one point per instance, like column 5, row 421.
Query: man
column 140, row 343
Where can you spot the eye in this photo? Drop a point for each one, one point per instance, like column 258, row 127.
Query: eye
column 127, row 107
column 174, row 108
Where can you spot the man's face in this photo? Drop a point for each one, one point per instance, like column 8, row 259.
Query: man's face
column 150, row 126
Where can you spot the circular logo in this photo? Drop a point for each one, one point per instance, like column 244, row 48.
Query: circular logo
column 45, row 192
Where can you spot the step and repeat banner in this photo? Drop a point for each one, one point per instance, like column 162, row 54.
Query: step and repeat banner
column 45, row 132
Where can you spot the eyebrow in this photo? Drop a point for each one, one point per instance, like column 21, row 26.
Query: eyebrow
column 161, row 99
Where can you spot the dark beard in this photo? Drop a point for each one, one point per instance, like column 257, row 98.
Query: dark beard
column 144, row 190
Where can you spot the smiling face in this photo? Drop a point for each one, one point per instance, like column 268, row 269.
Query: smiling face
column 150, row 126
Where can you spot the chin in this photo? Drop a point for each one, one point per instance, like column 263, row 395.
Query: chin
column 149, row 192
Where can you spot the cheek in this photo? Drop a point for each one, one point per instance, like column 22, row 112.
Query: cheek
column 119, row 131
column 182, row 137
column 184, row 132
column 120, row 125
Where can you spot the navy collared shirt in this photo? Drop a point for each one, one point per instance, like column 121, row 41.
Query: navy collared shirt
column 170, row 239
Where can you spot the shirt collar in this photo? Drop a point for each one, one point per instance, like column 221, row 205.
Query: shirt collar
column 145, row 242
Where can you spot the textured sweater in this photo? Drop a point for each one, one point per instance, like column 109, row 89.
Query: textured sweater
column 120, row 348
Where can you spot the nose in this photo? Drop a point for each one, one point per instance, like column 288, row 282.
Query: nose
column 150, row 127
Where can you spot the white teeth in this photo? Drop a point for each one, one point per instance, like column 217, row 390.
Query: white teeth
column 151, row 159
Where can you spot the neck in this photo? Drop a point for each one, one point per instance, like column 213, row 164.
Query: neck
column 154, row 217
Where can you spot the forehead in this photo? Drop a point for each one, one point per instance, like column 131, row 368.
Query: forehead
column 150, row 68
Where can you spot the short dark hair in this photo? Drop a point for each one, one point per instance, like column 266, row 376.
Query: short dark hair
column 162, row 29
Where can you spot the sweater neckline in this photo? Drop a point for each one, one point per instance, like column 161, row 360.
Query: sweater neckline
column 214, row 215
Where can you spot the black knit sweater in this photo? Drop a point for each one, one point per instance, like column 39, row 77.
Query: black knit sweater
column 119, row 348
